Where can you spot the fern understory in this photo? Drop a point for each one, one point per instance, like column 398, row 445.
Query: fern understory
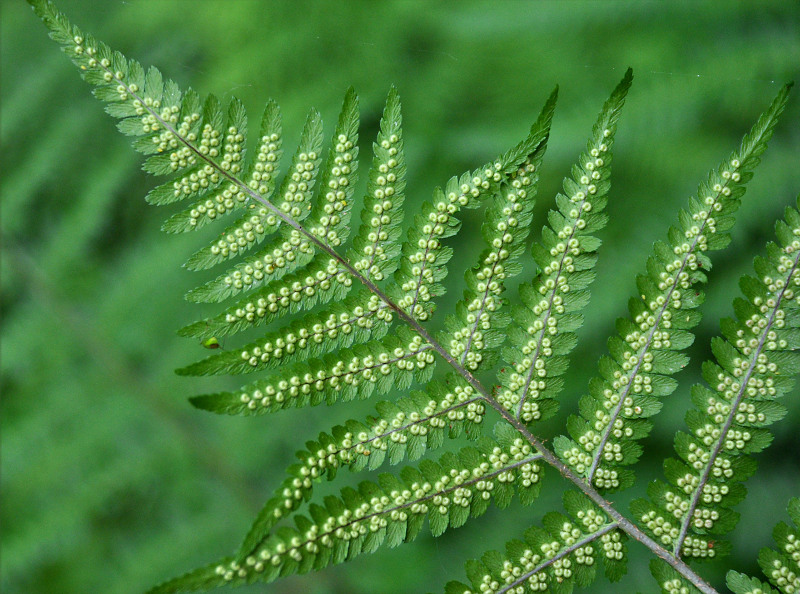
column 360, row 328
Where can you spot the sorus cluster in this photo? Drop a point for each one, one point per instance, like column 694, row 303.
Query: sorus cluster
column 528, row 382
column 336, row 191
column 299, row 183
column 255, row 270
column 342, row 373
column 467, row 343
column 520, row 576
column 676, row 586
column 262, row 180
column 436, row 221
column 331, row 326
column 383, row 211
column 667, row 532
column 453, row 488
column 208, row 176
column 782, row 571
column 291, row 293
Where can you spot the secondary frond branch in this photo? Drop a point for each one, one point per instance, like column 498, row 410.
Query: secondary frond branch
column 474, row 334
column 561, row 554
column 478, row 316
column 355, row 320
column 392, row 509
column 755, row 366
column 357, row 371
column 542, row 332
column 404, row 428
column 614, row 417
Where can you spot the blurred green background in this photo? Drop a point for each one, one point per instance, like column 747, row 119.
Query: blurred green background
column 111, row 482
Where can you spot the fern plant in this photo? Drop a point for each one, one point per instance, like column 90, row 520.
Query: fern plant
column 350, row 318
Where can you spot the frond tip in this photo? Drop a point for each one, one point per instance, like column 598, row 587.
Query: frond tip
column 543, row 330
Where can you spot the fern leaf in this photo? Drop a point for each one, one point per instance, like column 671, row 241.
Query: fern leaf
column 288, row 236
column 475, row 330
column 562, row 554
column 543, row 329
column 375, row 250
column 395, row 360
column 647, row 351
column 754, row 367
column 383, row 513
column 407, row 427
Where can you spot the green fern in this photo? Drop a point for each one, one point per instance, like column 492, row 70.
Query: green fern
column 355, row 315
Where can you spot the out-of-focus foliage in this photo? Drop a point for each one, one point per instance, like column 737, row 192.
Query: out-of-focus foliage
column 110, row 481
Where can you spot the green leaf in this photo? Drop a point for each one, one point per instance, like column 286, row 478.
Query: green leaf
column 646, row 353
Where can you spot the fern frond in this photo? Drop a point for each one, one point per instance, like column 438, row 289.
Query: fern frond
column 375, row 250
column 543, row 329
column 473, row 334
column 389, row 512
column 262, row 178
column 562, row 554
column 290, row 236
column 407, row 427
column 781, row 567
column 394, row 361
column 614, row 417
column 754, row 367
column 291, row 250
